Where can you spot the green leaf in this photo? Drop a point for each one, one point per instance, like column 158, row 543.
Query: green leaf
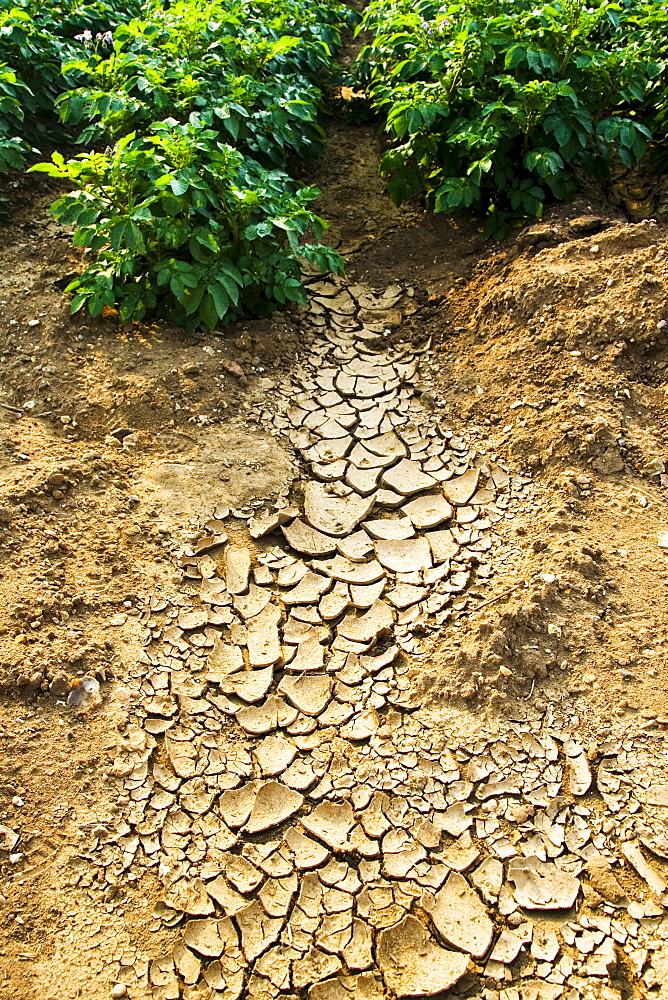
column 221, row 299
column 208, row 311
column 179, row 186
column 514, row 56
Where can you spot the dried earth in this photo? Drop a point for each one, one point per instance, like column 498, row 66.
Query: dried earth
column 374, row 597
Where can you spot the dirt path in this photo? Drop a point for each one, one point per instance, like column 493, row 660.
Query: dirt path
column 379, row 628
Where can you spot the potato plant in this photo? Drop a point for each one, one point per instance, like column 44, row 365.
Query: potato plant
column 181, row 226
column 191, row 214
column 495, row 105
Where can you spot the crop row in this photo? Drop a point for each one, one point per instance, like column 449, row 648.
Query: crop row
column 191, row 212
column 499, row 105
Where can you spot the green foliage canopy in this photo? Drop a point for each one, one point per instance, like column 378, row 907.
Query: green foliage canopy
column 494, row 105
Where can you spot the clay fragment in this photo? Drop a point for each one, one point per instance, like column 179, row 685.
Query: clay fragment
column 335, row 602
column 333, row 514
column 307, row 540
column 331, row 822
column 237, row 569
column 540, row 885
column 250, row 685
column 409, row 555
column 413, row 965
column 309, row 693
column 427, row 511
column 273, row 804
column 264, row 642
column 271, row 714
column 369, row 626
column 309, row 590
column 210, row 937
column 442, row 544
column 346, row 571
column 274, row 754
column 407, row 478
column 460, row 916
column 460, row 490
column 390, row 528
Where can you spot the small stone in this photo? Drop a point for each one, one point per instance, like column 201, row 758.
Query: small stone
column 60, row 686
